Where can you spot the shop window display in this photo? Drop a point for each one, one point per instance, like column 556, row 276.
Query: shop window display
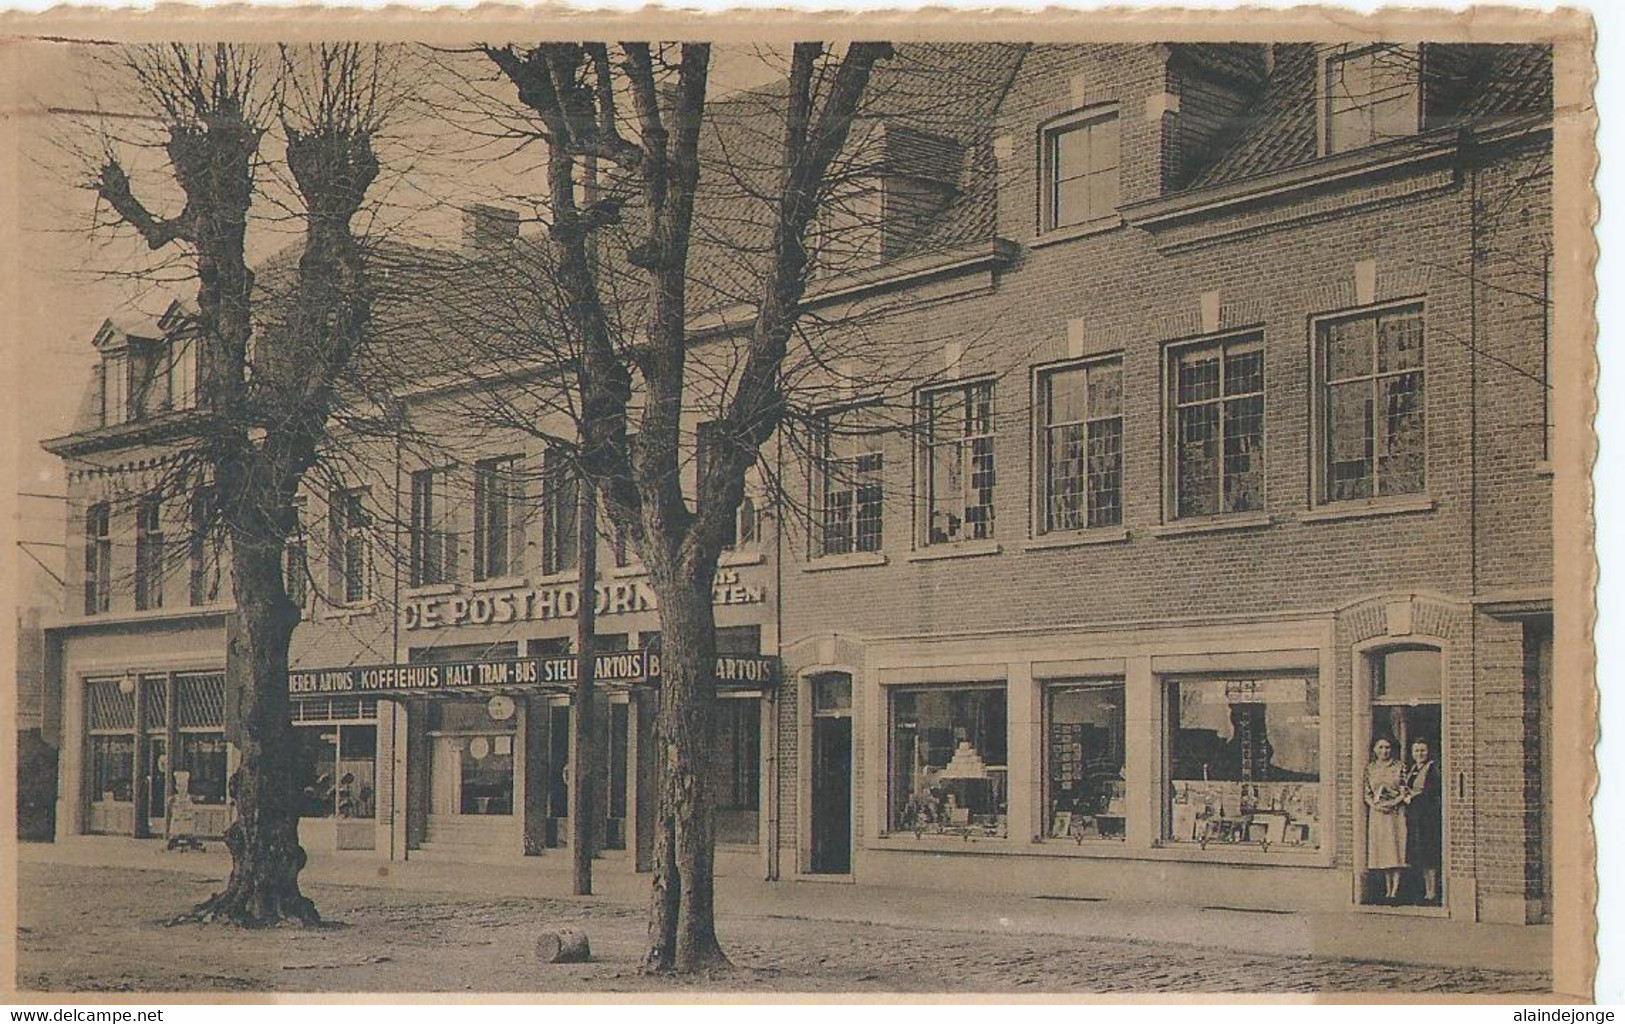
column 1244, row 761
column 1085, row 790
column 203, row 755
column 337, row 771
column 949, row 767
column 112, row 765
column 736, row 758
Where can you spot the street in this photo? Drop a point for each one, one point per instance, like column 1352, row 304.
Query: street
column 95, row 928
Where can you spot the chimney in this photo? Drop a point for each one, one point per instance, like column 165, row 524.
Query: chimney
column 487, row 228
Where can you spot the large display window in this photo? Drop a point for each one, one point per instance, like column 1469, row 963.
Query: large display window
column 337, row 770
column 473, row 757
column 1244, row 761
column 949, row 771
column 736, row 769
column 1085, row 789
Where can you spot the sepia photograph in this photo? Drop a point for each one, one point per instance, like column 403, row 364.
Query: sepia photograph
column 1065, row 507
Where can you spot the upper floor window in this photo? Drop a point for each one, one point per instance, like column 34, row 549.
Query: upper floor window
column 98, row 558
column 498, row 534
column 1372, row 94
column 1081, row 441
column 203, row 549
column 957, row 457
column 433, row 541
column 850, row 491
column 1080, row 168
column 1373, row 420
column 149, row 554
column 296, row 561
column 146, row 377
column 115, row 379
column 182, row 372
column 350, row 563
column 561, row 543
column 1217, row 426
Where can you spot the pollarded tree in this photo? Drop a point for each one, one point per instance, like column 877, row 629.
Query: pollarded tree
column 264, row 398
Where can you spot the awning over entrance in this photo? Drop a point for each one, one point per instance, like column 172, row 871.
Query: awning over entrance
column 558, row 674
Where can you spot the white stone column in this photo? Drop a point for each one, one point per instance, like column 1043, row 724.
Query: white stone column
column 1142, row 730
column 1025, row 713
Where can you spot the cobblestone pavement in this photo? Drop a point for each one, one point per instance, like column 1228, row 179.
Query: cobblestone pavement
column 100, row 929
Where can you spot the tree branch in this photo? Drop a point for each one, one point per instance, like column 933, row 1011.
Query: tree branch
column 113, row 185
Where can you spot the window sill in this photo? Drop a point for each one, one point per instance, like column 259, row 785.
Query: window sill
column 851, row 560
column 965, row 549
column 928, row 842
column 626, row 571
column 1212, row 524
column 552, row 580
column 1363, row 509
column 1098, row 226
column 431, row 590
column 499, row 583
column 344, row 613
column 748, row 556
column 1544, row 468
column 1101, row 850
column 1077, row 538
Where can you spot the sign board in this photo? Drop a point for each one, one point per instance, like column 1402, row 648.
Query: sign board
column 615, row 667
column 525, row 604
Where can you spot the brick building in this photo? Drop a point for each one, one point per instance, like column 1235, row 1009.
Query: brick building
column 1209, row 449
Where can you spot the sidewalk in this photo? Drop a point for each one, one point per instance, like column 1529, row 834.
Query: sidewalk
column 1352, row 935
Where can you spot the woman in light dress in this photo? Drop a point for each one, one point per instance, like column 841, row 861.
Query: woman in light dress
column 1385, row 823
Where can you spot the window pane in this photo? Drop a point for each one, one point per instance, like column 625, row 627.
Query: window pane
column 486, row 764
column 1102, row 193
column 315, row 761
column 1401, row 463
column 1103, row 146
column 1243, row 371
column 1105, row 391
column 1198, row 378
column 112, row 768
column 1404, row 674
column 1244, row 759
column 736, row 769
column 1071, row 202
column 1196, row 469
column 1067, row 395
column 1348, row 349
column 1348, row 441
column 1399, row 342
column 1065, row 477
column 358, row 757
column 1085, row 786
column 1071, row 152
column 1106, row 472
column 204, row 756
column 949, row 771
column 870, row 518
column 1244, row 454
column 947, row 488
column 979, row 507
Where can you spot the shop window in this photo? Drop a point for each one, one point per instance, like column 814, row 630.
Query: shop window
column 203, row 549
column 1081, row 437
column 149, row 554
column 112, row 768
column 1085, row 789
column 473, row 758
column 736, row 766
column 98, row 558
column 1372, row 377
column 433, row 556
column 350, row 544
column 1372, row 94
column 949, row 769
column 619, row 750
column 1244, row 761
column 498, row 530
column 1080, row 169
column 958, row 470
column 316, row 755
column 561, row 496
column 850, row 488
column 1217, row 423
column 336, row 770
column 739, row 639
column 203, row 756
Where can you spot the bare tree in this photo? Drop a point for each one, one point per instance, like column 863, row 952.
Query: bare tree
column 265, row 398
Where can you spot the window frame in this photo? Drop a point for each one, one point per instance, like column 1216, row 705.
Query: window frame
column 1042, row 445
column 348, row 540
column 1320, row 404
column 867, row 443
column 98, row 579
column 1047, row 690
column 149, row 553
column 1049, row 134
column 891, row 815
column 561, row 548
column 925, row 484
column 296, row 561
column 498, row 493
column 204, row 550
column 432, row 542
column 1171, row 356
column 1342, row 54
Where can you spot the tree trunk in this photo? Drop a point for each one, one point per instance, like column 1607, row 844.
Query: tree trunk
column 682, row 921
column 266, row 857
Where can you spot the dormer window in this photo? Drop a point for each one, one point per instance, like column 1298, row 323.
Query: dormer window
column 1080, row 169
column 115, row 373
column 1371, row 94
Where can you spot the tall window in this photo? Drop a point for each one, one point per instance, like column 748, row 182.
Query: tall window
column 736, row 769
column 350, row 545
column 1218, row 427
column 115, row 379
column 851, row 493
column 498, row 534
column 203, row 550
column 149, row 554
column 98, row 558
column 1372, row 94
column 1082, row 446
column 182, row 370
column 1080, row 170
column 1085, row 787
column 958, row 455
column 433, row 540
column 561, row 544
column 296, row 561
column 1374, row 425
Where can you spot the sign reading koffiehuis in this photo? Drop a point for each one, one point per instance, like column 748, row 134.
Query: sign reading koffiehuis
column 526, row 604
column 621, row 667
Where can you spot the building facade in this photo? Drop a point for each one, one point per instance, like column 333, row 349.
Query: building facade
column 1211, row 456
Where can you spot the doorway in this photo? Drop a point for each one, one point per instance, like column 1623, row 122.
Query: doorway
column 831, row 832
column 1407, row 714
